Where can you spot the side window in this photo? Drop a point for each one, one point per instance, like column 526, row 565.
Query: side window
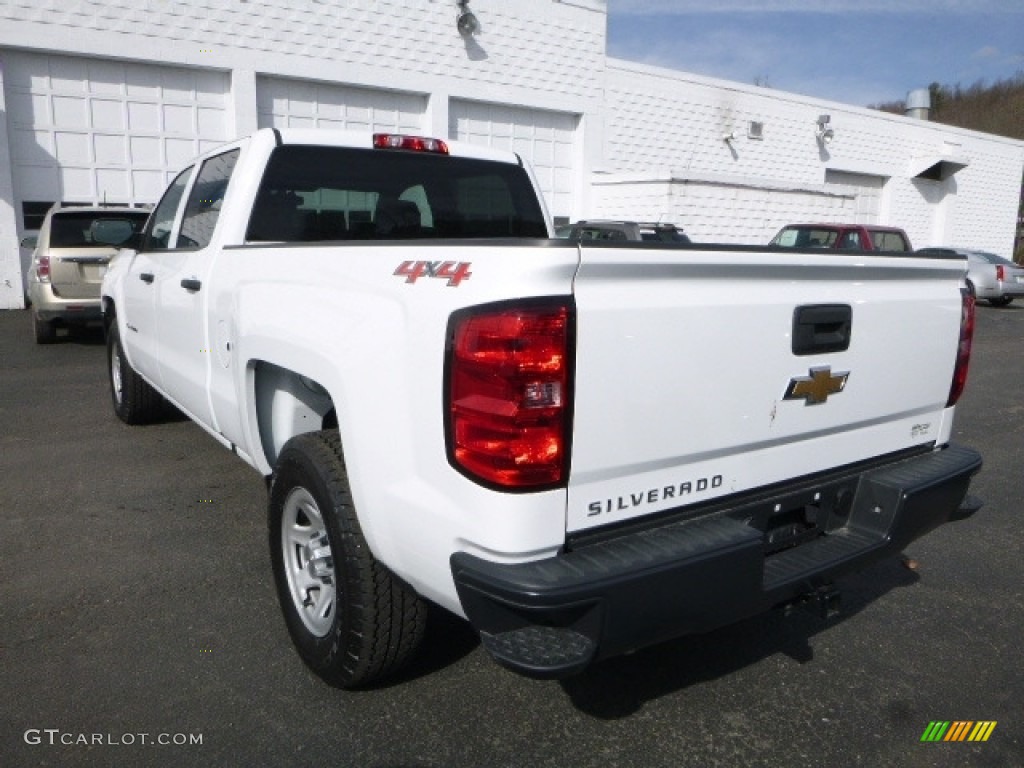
column 418, row 195
column 850, row 240
column 204, row 201
column 158, row 233
column 889, row 241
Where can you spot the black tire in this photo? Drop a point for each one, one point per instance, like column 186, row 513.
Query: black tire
column 45, row 332
column 1002, row 301
column 351, row 620
column 134, row 400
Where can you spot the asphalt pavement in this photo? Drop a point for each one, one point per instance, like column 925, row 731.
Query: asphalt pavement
column 139, row 624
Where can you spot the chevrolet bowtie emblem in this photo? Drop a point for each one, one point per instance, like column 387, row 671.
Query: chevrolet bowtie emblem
column 816, row 388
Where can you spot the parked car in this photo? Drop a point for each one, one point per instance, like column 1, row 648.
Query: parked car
column 993, row 278
column 69, row 262
column 627, row 230
column 854, row 237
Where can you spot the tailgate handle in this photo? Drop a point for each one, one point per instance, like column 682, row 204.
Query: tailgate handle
column 191, row 284
column 146, row 277
column 821, row 328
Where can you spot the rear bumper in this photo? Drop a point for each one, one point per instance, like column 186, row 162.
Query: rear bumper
column 551, row 618
column 50, row 307
column 1001, row 290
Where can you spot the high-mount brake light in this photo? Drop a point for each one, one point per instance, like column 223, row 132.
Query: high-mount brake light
column 508, row 398
column 414, row 143
column 963, row 351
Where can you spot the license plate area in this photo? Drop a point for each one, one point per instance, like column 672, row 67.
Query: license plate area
column 797, row 518
column 92, row 273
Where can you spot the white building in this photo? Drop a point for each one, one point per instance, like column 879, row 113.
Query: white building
column 104, row 100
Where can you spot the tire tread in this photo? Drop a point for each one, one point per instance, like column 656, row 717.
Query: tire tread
column 140, row 403
column 382, row 619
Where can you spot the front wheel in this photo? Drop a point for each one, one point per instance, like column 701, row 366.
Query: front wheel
column 134, row 400
column 351, row 620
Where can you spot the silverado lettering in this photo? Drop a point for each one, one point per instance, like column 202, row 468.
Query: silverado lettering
column 653, row 495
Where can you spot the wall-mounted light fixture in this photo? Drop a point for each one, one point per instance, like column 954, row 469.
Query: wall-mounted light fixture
column 825, row 132
column 730, row 136
column 467, row 23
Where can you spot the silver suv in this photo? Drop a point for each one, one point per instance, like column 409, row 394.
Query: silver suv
column 69, row 261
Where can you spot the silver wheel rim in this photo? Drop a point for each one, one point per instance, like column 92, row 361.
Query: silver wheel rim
column 115, row 373
column 308, row 564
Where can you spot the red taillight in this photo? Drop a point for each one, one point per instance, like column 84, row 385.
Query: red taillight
column 414, row 143
column 963, row 352
column 1000, row 273
column 509, row 398
column 43, row 269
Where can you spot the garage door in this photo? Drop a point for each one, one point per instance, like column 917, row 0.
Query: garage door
column 285, row 103
column 868, row 190
column 95, row 130
column 546, row 139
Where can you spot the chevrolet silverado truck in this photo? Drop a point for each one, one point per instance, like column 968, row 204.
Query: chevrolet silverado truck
column 582, row 449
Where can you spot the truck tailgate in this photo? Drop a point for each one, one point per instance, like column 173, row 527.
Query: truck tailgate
column 698, row 377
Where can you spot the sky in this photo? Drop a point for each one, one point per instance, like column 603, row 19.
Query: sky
column 859, row 52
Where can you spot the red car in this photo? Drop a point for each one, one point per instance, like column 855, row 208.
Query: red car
column 854, row 237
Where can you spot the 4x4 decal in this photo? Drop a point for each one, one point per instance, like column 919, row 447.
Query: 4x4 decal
column 453, row 272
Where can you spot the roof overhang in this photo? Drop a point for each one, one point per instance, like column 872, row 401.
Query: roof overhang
column 937, row 167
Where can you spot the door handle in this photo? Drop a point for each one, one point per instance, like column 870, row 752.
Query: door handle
column 191, row 284
column 146, row 277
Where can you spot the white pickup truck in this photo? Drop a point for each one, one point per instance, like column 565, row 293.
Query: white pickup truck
column 581, row 448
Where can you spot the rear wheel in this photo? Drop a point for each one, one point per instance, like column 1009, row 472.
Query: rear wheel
column 351, row 620
column 45, row 332
column 134, row 400
column 1002, row 301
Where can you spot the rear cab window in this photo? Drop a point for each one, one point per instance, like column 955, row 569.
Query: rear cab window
column 317, row 193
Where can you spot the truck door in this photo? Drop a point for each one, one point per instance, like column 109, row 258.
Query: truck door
column 139, row 307
column 183, row 297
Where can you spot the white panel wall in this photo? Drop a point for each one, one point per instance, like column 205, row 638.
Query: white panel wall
column 89, row 130
column 285, row 103
column 545, row 138
column 706, row 209
column 660, row 119
column 533, row 50
column 12, row 283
